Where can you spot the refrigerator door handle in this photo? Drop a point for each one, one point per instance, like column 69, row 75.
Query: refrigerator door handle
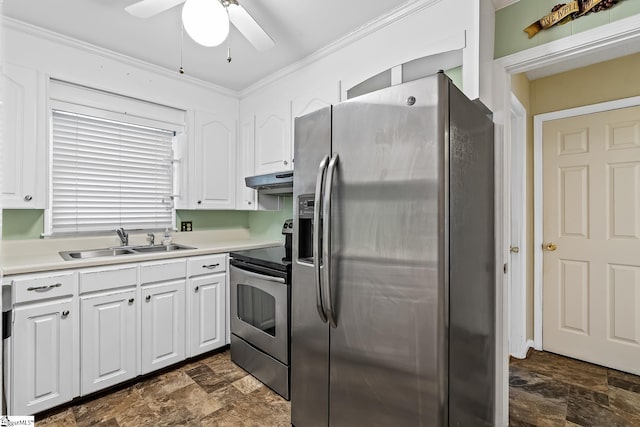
column 316, row 237
column 326, row 240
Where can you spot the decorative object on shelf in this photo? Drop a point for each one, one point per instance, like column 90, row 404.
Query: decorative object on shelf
column 566, row 12
column 207, row 21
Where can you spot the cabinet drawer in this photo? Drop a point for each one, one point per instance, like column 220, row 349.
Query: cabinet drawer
column 162, row 271
column 112, row 278
column 34, row 288
column 207, row 264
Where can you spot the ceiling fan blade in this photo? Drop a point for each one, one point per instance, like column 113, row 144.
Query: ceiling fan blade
column 149, row 8
column 249, row 28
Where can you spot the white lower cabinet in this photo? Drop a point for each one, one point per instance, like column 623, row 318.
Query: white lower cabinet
column 207, row 314
column 163, row 327
column 43, row 356
column 79, row 331
column 108, row 339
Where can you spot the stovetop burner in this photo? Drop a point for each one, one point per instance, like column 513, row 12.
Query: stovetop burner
column 273, row 257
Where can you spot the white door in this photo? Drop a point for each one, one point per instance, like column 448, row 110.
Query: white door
column 43, row 356
column 163, row 331
column 108, row 340
column 591, row 289
column 208, row 309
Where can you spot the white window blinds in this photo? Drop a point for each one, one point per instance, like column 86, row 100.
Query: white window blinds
column 108, row 174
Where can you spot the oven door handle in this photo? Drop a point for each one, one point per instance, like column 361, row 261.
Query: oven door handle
column 316, row 238
column 261, row 276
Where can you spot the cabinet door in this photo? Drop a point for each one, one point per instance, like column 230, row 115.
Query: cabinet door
column 214, row 161
column 163, row 325
column 43, row 356
column 208, row 313
column 108, row 340
column 273, row 141
column 246, row 197
column 22, row 159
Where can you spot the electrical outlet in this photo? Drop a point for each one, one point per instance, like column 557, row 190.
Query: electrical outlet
column 186, row 226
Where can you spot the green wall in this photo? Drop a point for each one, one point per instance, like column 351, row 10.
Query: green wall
column 512, row 20
column 19, row 224
column 268, row 225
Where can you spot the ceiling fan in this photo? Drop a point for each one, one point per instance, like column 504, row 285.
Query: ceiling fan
column 207, row 21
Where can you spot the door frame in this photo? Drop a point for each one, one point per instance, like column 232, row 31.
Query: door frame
column 604, row 42
column 538, row 196
column 516, row 158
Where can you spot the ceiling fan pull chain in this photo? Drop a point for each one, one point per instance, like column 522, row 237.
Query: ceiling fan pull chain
column 181, row 70
column 226, row 8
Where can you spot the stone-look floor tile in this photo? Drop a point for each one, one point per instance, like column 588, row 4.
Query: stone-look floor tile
column 228, row 395
column 626, row 401
column 630, row 378
column 224, row 367
column 624, row 384
column 601, row 399
column 587, row 413
column 204, row 376
column 195, row 399
column 567, row 370
column 64, row 418
column 247, row 384
column 103, row 408
column 529, row 408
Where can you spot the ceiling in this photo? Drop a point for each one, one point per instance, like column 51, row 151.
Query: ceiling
column 299, row 28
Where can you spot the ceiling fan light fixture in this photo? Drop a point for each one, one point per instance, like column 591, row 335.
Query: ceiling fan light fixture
column 206, row 21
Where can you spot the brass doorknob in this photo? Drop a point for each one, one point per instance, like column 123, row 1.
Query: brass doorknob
column 514, row 249
column 550, row 247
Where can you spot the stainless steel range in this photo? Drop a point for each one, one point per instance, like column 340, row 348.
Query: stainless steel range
column 260, row 312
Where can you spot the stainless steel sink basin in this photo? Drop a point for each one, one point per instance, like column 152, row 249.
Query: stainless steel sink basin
column 94, row 253
column 160, row 248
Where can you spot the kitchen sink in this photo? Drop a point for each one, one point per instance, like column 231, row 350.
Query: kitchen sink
column 129, row 250
column 160, row 248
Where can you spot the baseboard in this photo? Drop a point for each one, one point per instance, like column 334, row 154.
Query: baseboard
column 523, row 354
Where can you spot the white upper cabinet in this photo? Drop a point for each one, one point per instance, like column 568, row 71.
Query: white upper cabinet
column 23, row 152
column 273, row 140
column 246, row 197
column 213, row 162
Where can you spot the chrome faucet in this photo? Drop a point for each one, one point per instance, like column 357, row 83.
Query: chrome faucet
column 151, row 238
column 123, row 235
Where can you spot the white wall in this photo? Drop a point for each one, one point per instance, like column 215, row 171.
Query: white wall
column 434, row 27
column 70, row 60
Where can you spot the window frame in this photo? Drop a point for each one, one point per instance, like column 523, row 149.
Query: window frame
column 64, row 96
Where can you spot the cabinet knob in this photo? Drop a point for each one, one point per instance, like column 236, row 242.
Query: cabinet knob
column 28, row 198
column 131, row 300
column 65, row 313
column 248, row 203
column 147, row 298
column 197, row 288
column 285, row 162
column 199, row 202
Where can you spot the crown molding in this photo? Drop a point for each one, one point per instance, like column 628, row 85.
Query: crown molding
column 501, row 4
column 412, row 6
column 25, row 28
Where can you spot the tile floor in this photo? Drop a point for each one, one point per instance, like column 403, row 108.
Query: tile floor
column 546, row 390
column 207, row 392
column 551, row 390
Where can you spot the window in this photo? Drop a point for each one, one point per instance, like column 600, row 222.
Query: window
column 109, row 169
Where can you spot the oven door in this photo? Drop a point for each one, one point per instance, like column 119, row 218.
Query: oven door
column 259, row 311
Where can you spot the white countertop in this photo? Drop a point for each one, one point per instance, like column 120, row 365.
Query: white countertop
column 30, row 256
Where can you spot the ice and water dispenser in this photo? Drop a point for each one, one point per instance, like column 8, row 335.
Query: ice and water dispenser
column 305, row 224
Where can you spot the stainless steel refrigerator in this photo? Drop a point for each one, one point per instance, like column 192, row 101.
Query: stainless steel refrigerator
column 393, row 300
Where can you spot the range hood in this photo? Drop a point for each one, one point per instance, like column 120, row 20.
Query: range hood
column 278, row 183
